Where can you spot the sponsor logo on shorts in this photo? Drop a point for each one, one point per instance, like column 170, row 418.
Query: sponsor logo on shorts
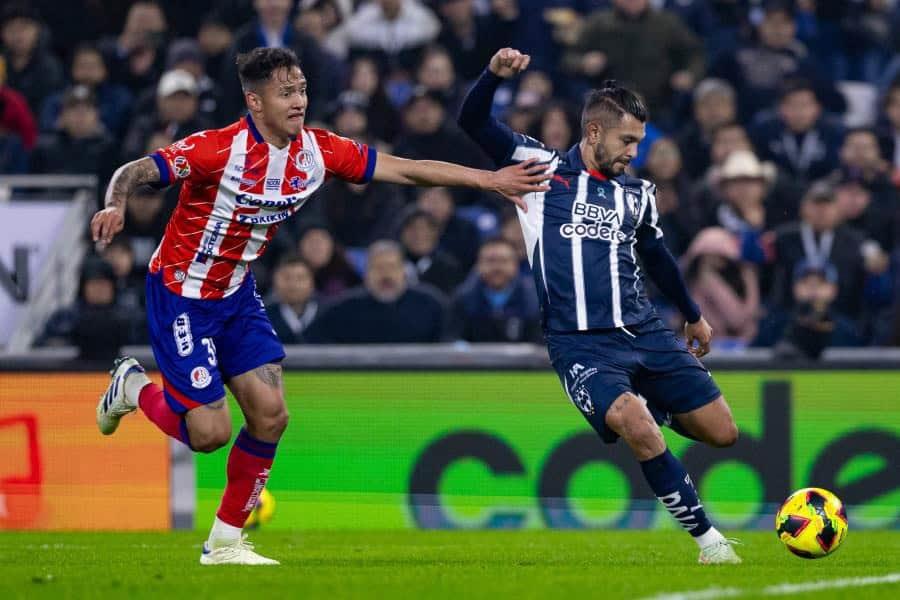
column 181, row 330
column 182, row 167
column 200, row 377
column 578, row 390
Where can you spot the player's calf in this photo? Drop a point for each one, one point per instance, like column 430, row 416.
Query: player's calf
column 209, row 427
column 711, row 423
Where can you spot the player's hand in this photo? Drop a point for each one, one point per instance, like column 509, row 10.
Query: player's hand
column 700, row 332
column 515, row 181
column 107, row 223
column 508, row 62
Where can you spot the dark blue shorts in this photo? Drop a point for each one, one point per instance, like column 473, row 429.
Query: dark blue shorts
column 200, row 344
column 596, row 367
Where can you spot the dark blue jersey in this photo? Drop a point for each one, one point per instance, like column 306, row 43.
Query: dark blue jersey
column 584, row 234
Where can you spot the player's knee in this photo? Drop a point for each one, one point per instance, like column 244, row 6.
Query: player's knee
column 211, row 438
column 629, row 417
column 271, row 426
column 725, row 436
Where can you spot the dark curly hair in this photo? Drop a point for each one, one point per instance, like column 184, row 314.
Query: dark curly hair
column 256, row 67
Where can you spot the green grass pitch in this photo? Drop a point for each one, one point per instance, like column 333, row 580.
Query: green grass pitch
column 432, row 564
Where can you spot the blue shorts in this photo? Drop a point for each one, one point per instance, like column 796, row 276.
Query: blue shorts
column 596, row 367
column 201, row 344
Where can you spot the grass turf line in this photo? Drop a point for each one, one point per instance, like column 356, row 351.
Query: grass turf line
column 423, row 564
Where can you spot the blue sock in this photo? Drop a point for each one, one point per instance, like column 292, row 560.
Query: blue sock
column 674, row 488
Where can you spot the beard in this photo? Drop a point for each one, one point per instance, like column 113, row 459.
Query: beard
column 609, row 166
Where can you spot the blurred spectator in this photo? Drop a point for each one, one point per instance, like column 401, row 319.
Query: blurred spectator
column 293, row 305
column 176, row 115
column 534, row 92
column 89, row 69
column 31, row 68
column 511, row 231
column 820, row 237
column 606, row 49
column 813, row 323
column 799, row 138
column 429, row 134
column 358, row 214
column 458, row 237
column 419, row 233
column 678, row 217
column 185, row 54
column 889, row 129
column 498, row 305
column 725, row 287
column 129, row 280
column 80, row 142
column 365, row 80
column 714, row 105
column 558, row 127
column 436, row 73
column 757, row 69
column 386, row 311
column 331, row 271
column 135, row 57
column 869, row 200
column 95, row 324
column 744, row 184
column 215, row 40
column 470, row 38
column 272, row 29
column 145, row 222
column 349, row 117
column 17, row 126
column 393, row 31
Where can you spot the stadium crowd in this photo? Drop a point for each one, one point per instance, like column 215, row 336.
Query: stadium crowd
column 774, row 141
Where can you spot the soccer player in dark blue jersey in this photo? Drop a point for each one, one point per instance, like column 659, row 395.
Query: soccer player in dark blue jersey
column 620, row 366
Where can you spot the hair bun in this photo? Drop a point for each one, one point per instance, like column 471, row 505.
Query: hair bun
column 609, row 84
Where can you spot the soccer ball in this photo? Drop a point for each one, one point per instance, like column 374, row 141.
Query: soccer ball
column 811, row 523
column 264, row 511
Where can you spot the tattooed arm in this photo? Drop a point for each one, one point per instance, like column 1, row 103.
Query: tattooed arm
column 109, row 221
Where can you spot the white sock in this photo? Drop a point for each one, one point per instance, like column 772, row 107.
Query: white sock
column 134, row 383
column 709, row 538
column 223, row 534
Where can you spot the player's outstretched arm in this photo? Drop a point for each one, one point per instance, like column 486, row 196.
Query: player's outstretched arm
column 511, row 182
column 108, row 222
column 475, row 118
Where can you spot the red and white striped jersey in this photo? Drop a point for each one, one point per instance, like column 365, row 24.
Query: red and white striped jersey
column 236, row 190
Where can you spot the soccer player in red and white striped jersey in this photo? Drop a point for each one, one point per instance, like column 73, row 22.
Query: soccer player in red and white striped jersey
column 207, row 323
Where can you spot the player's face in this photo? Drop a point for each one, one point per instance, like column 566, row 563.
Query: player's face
column 282, row 102
column 616, row 146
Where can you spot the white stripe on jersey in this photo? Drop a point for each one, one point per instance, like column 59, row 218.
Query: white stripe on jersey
column 637, row 226
column 619, row 195
column 221, row 214
column 577, row 261
column 532, row 222
column 654, row 214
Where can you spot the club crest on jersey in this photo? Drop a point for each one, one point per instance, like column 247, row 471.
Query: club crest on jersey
column 304, row 160
column 183, row 145
column 182, row 167
column 634, row 203
column 181, row 330
column 200, row 377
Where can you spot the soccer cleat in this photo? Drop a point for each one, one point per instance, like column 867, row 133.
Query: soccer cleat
column 720, row 553
column 239, row 553
column 115, row 404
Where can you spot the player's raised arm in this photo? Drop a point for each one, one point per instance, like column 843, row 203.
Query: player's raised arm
column 496, row 138
column 108, row 222
column 512, row 182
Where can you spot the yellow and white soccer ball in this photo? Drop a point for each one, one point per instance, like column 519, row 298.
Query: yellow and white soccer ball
column 811, row 523
column 264, row 511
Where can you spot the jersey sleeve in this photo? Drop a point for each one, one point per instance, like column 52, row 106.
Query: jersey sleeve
column 649, row 231
column 191, row 159
column 347, row 159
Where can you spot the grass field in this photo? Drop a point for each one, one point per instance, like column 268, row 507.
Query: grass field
column 418, row 564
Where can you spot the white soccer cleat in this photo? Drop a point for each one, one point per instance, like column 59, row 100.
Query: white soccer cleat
column 239, row 553
column 115, row 404
column 720, row 553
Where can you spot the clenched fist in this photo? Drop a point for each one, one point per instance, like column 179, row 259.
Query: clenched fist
column 508, row 62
